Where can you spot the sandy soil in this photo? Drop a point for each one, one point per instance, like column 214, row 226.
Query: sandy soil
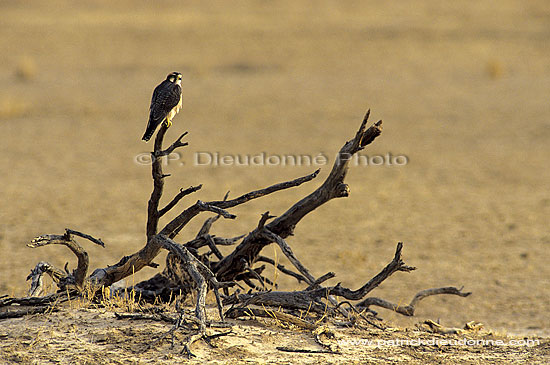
column 94, row 336
column 463, row 90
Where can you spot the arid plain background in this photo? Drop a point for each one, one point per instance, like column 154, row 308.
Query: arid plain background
column 463, row 89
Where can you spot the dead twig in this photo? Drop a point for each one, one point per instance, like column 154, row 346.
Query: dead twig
column 408, row 310
column 177, row 144
column 282, row 269
column 97, row 241
column 183, row 218
column 177, row 198
column 305, row 351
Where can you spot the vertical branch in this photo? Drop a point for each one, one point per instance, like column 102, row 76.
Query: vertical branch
column 153, row 214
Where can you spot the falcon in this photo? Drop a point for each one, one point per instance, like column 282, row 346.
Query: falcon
column 165, row 104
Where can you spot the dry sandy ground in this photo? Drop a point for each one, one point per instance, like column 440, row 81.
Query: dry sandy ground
column 462, row 87
column 94, row 336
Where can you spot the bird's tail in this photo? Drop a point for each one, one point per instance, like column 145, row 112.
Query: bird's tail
column 149, row 131
column 148, row 134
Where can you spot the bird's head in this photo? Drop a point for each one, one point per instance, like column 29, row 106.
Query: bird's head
column 174, row 77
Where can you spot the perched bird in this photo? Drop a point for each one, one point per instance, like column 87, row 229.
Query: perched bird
column 165, row 104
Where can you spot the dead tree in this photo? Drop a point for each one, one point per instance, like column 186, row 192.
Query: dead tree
column 188, row 268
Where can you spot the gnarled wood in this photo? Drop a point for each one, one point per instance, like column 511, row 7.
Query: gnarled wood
column 189, row 268
column 312, row 298
column 283, row 226
column 408, row 310
column 79, row 274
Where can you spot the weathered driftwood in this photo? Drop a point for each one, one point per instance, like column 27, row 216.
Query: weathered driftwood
column 19, row 307
column 333, row 187
column 408, row 310
column 144, row 257
column 187, row 269
column 64, row 280
column 247, row 253
column 312, row 299
column 37, row 277
column 16, row 313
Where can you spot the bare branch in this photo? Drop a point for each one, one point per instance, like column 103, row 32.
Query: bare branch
column 408, row 310
column 204, row 232
column 311, row 299
column 283, row 226
column 215, row 209
column 308, row 296
column 29, row 310
column 282, row 269
column 213, row 247
column 158, row 185
column 196, row 269
column 395, row 265
column 255, row 273
column 303, row 300
column 97, row 241
column 33, row 301
column 36, row 276
column 177, row 198
column 322, row 279
column 333, row 186
column 219, row 241
column 172, row 228
column 177, row 144
column 310, row 279
column 262, row 192
column 264, row 219
column 207, row 225
column 82, row 267
column 191, row 212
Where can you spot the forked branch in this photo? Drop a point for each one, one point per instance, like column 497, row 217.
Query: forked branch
column 283, row 226
column 408, row 310
column 172, row 228
column 188, row 269
column 79, row 274
column 312, row 298
column 178, row 197
column 177, row 144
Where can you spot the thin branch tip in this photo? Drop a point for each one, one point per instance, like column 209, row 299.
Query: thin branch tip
column 367, row 115
column 97, row 241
